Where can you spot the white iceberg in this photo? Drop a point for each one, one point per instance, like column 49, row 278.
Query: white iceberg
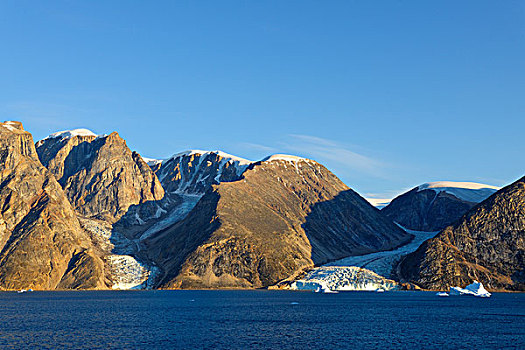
column 442, row 294
column 476, row 289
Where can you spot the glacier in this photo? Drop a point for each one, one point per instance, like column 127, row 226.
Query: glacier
column 369, row 272
column 343, row 278
column 382, row 262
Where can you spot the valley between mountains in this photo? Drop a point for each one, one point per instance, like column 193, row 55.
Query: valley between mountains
column 84, row 211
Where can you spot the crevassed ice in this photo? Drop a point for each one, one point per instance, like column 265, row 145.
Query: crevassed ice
column 343, row 278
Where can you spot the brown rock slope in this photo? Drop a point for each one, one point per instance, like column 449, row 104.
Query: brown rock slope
column 282, row 217
column 42, row 244
column 487, row 244
column 100, row 175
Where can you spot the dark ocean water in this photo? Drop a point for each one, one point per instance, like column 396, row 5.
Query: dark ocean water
column 259, row 319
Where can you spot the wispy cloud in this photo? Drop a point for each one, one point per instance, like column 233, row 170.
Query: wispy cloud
column 336, row 156
column 258, row 147
column 334, row 153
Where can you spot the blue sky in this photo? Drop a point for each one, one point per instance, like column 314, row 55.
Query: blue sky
column 387, row 94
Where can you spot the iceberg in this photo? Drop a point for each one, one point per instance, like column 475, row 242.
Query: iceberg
column 476, row 289
column 442, row 294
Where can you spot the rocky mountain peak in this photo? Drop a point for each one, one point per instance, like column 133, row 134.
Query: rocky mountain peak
column 13, row 125
column 101, row 176
column 15, row 141
column 194, row 172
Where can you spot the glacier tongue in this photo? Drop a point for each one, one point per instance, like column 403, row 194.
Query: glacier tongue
column 126, row 271
column 382, row 262
column 365, row 272
column 343, row 278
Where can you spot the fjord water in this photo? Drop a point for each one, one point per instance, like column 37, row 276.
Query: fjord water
column 258, row 319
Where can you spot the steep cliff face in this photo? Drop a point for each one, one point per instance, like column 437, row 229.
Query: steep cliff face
column 284, row 215
column 100, row 175
column 42, row 244
column 434, row 206
column 487, row 244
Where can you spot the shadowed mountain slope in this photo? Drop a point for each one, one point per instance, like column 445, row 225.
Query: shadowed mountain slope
column 434, row 206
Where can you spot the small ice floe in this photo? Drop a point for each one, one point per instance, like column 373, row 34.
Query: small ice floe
column 475, row 289
column 380, row 290
column 330, row 291
column 192, row 300
column 294, row 303
column 442, row 294
column 22, row 291
column 325, row 290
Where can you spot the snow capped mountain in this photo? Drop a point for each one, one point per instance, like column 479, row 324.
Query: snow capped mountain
column 467, row 191
column 194, row 171
column 71, row 133
column 485, row 244
column 433, row 206
column 221, row 154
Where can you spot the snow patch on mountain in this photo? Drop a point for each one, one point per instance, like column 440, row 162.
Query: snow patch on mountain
column 467, row 191
column 10, row 125
column 67, row 134
column 229, row 157
column 285, row 157
column 199, row 178
column 152, row 161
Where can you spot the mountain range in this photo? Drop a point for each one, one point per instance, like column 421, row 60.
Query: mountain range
column 83, row 211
